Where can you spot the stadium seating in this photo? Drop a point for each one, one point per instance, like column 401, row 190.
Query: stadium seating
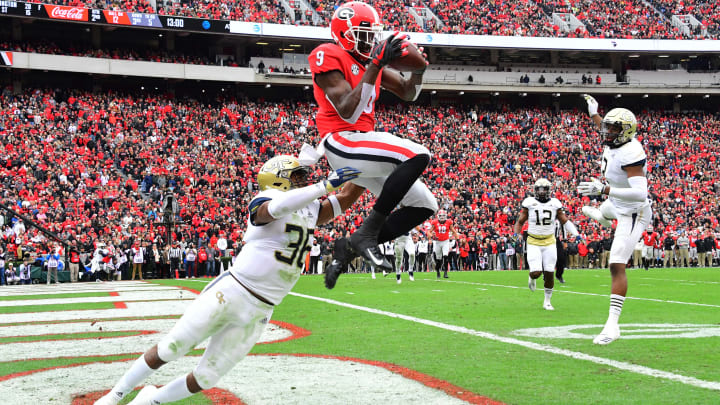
column 602, row 18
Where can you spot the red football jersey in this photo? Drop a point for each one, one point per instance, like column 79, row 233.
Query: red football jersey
column 650, row 239
column 329, row 57
column 442, row 229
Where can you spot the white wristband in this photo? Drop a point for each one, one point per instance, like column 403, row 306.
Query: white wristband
column 337, row 209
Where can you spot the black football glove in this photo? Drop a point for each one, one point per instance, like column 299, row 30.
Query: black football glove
column 390, row 49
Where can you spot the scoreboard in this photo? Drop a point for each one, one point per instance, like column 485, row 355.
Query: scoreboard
column 111, row 17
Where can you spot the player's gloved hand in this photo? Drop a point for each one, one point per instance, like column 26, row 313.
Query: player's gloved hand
column 593, row 187
column 592, row 104
column 390, row 49
column 339, row 177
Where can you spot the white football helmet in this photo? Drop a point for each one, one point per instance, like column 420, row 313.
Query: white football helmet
column 618, row 127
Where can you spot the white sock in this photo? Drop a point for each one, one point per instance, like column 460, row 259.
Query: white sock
column 616, row 304
column 138, row 372
column 548, row 294
column 175, row 391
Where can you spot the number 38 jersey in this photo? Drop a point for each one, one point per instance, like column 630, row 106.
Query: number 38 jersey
column 541, row 220
column 273, row 256
column 326, row 58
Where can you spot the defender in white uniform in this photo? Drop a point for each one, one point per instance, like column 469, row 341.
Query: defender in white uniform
column 541, row 211
column 235, row 308
column 624, row 165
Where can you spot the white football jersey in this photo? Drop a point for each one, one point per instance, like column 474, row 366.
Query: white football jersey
column 613, row 161
column 541, row 216
column 273, row 257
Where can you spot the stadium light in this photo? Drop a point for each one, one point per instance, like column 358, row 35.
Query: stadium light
column 461, row 93
column 706, row 96
column 678, row 96
column 160, row 35
column 222, row 89
column 692, row 56
column 523, row 94
column 645, row 96
column 306, row 87
column 142, row 87
column 634, row 56
column 556, row 94
column 618, row 95
column 261, row 43
column 267, row 86
column 295, row 45
column 496, row 94
column 433, row 92
column 663, row 56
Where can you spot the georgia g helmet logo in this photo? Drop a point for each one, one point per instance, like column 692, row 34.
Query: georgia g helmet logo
column 345, row 13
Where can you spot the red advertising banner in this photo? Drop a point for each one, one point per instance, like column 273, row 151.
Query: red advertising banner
column 66, row 13
column 117, row 17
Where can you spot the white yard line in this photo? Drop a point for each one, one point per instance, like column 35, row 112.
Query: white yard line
column 121, row 297
column 678, row 281
column 531, row 345
column 592, row 294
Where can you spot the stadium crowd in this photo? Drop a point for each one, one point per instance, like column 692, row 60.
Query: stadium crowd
column 97, row 168
column 149, row 55
column 603, row 18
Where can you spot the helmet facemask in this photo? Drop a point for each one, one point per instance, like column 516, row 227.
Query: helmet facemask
column 364, row 38
column 298, row 176
column 442, row 215
column 542, row 193
column 611, row 132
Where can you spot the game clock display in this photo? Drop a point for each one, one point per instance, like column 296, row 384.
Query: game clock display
column 111, row 17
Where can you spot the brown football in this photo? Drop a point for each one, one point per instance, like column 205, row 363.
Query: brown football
column 414, row 60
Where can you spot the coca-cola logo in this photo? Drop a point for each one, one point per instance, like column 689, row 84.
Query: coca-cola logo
column 67, row 13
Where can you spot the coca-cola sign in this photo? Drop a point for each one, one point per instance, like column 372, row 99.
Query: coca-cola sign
column 67, row 13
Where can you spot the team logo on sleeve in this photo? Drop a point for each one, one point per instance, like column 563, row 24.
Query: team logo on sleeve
column 355, row 69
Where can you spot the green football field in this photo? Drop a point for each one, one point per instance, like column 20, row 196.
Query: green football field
column 487, row 334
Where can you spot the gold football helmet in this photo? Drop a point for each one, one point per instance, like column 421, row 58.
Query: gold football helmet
column 542, row 190
column 283, row 172
column 618, row 127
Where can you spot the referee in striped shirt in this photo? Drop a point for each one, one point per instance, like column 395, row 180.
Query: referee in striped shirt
column 175, row 256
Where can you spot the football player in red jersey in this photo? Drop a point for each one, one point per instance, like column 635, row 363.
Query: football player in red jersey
column 650, row 239
column 347, row 76
column 440, row 234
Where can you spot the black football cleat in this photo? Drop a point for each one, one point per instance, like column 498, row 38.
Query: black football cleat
column 342, row 255
column 560, row 279
column 368, row 249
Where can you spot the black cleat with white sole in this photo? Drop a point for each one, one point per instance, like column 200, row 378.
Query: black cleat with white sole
column 367, row 247
column 342, row 255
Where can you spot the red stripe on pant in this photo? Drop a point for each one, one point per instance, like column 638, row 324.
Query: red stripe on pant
column 374, row 145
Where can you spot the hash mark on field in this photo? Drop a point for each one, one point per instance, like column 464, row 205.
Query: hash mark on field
column 621, row 365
